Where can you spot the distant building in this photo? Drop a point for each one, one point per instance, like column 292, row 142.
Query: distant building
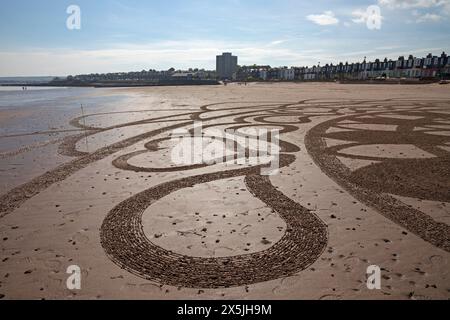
column 409, row 67
column 263, row 74
column 226, row 66
column 286, row 74
column 183, row 75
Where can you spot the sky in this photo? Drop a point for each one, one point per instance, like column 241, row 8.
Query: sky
column 135, row 35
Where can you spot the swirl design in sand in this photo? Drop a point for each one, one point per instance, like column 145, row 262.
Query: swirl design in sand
column 422, row 125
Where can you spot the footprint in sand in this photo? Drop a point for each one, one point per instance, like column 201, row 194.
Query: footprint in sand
column 56, row 282
column 128, row 286
column 54, row 265
column 436, row 260
column 149, row 288
column 79, row 237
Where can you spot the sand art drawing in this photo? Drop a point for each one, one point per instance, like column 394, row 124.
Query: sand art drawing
column 365, row 132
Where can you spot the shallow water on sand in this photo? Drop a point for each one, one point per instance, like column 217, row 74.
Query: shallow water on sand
column 36, row 120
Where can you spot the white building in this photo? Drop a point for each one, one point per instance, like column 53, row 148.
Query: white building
column 287, row 74
column 263, row 74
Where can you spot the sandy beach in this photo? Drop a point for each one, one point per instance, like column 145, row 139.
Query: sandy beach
column 364, row 180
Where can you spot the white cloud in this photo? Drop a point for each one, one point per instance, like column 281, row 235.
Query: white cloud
column 325, row 19
column 442, row 5
column 181, row 55
column 406, row 4
column 429, row 17
column 277, row 42
column 158, row 55
column 361, row 16
column 423, row 10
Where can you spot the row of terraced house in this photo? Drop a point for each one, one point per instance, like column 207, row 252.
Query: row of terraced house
column 430, row 67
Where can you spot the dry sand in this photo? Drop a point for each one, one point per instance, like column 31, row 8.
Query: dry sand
column 364, row 180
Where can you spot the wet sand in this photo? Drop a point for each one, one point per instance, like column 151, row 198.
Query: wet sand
column 364, row 180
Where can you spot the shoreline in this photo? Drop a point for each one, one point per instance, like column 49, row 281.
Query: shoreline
column 130, row 84
column 215, row 83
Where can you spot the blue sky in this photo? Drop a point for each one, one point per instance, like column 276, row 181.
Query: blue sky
column 125, row 35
